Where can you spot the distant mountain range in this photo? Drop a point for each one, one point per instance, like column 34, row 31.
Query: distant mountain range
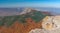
column 53, row 11
column 17, row 11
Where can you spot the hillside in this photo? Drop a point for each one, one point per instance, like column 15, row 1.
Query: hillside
column 34, row 15
column 21, row 23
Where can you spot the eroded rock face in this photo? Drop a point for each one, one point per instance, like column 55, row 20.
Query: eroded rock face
column 44, row 31
column 36, row 31
column 51, row 22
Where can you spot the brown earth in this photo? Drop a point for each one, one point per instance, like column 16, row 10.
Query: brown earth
column 20, row 28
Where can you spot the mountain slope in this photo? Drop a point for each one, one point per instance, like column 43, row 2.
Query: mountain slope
column 22, row 23
column 33, row 14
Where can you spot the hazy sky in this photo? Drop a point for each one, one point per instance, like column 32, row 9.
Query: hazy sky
column 30, row 3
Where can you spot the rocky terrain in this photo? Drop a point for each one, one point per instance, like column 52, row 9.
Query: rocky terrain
column 23, row 23
column 29, row 21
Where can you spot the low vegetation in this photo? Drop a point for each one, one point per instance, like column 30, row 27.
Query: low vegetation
column 21, row 23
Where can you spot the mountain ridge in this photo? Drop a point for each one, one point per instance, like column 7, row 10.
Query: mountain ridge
column 33, row 14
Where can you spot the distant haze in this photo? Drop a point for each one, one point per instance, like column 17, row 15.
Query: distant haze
column 10, row 11
column 17, row 11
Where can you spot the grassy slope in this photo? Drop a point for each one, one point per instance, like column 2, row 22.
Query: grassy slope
column 9, row 20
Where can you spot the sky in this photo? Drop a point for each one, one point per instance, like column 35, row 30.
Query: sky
column 29, row 3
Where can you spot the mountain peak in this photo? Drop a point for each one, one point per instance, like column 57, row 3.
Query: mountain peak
column 27, row 10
